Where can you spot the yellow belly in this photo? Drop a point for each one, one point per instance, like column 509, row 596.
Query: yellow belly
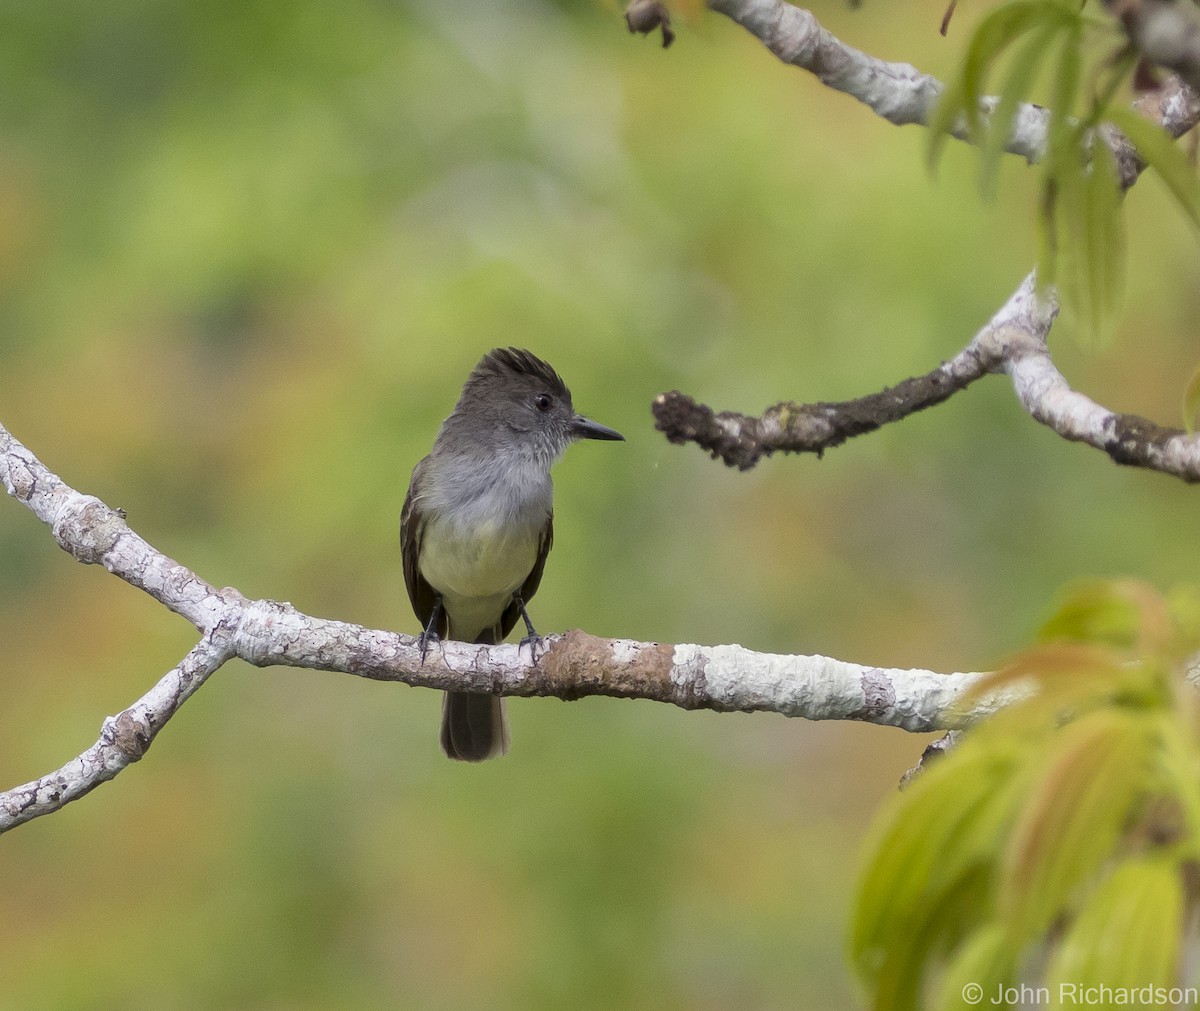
column 476, row 572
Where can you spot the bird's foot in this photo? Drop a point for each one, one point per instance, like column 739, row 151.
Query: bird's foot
column 429, row 635
column 425, row 640
column 535, row 643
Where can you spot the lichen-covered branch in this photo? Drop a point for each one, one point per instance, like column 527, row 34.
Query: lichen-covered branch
column 898, row 92
column 1014, row 341
column 1126, row 438
column 741, row 440
column 123, row 740
column 575, row 665
column 903, row 95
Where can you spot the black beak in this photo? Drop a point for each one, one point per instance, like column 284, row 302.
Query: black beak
column 585, row 428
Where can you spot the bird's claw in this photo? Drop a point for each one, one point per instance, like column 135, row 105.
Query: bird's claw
column 535, row 643
column 425, row 640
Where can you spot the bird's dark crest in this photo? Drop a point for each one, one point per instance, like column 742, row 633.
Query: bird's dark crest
column 517, row 361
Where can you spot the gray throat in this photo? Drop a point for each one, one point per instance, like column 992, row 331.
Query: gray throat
column 510, row 487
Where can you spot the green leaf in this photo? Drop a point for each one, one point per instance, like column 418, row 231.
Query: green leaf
column 1048, row 245
column 909, row 843
column 926, row 844
column 1094, row 256
column 1163, row 155
column 1118, row 70
column 1177, row 779
column 1095, row 771
column 1128, row 615
column 1063, row 140
column 941, row 123
column 1097, row 611
column 1018, row 843
column 993, row 35
column 932, row 930
column 1128, row 933
column 1062, row 171
column 1017, row 86
column 897, row 985
column 983, row 966
column 1191, row 401
column 1102, row 283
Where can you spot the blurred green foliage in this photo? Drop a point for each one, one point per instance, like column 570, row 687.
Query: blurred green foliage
column 1057, row 845
column 248, row 253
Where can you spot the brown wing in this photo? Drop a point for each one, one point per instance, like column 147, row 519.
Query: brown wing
column 412, row 529
column 512, row 613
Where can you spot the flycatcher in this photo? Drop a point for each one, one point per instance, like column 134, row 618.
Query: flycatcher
column 478, row 523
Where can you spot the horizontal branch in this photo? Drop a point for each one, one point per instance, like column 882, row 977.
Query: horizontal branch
column 742, row 440
column 903, row 95
column 575, row 665
column 1014, row 341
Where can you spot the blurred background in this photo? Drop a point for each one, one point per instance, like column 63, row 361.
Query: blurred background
column 248, row 253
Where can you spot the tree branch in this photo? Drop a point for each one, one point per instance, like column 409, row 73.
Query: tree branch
column 124, row 739
column 741, row 441
column 903, row 95
column 575, row 665
column 1013, row 341
column 1127, row 438
column 898, row 92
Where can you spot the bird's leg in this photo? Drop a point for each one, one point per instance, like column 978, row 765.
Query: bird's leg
column 430, row 635
column 531, row 638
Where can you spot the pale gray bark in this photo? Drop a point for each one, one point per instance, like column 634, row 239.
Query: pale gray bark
column 898, row 92
column 269, row 632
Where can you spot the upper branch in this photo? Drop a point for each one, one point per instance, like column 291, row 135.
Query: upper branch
column 1168, row 33
column 741, row 441
column 898, row 92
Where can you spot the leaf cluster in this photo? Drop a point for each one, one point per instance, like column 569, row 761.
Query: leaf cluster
column 1083, row 64
column 1060, row 841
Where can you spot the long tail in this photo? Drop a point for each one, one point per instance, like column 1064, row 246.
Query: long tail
column 474, row 727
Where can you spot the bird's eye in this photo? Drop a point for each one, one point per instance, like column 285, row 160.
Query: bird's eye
column 542, row 402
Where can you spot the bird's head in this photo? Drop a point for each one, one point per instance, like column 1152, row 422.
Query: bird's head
column 516, row 392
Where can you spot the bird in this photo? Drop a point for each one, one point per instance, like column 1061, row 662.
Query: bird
column 478, row 523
